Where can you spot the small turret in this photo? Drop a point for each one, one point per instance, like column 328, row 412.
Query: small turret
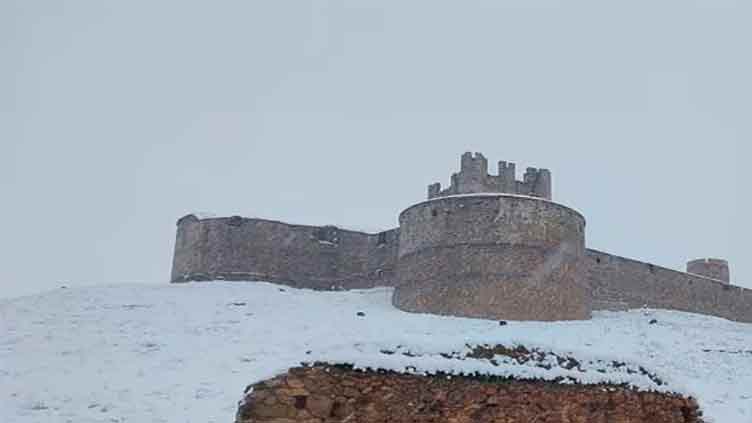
column 543, row 188
column 508, row 177
column 434, row 190
column 536, row 183
column 710, row 268
column 476, row 165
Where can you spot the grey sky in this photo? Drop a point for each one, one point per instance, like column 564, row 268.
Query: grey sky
column 116, row 118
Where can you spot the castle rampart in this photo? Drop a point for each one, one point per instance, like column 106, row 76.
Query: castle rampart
column 494, row 256
column 488, row 246
column 619, row 283
column 319, row 257
column 473, row 177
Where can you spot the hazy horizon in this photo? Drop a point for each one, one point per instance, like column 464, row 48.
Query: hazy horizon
column 118, row 118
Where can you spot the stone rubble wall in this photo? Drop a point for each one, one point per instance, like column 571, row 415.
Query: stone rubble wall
column 338, row 394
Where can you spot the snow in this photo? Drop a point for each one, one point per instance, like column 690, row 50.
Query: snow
column 494, row 194
column 185, row 352
column 366, row 229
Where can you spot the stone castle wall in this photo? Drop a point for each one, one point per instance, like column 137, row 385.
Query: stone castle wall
column 492, row 256
column 337, row 394
column 315, row 257
column 618, row 283
column 236, row 248
column 473, row 177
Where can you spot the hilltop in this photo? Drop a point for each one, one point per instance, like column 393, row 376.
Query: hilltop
column 185, row 352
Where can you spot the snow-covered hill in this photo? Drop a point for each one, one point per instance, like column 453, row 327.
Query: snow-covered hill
column 184, row 353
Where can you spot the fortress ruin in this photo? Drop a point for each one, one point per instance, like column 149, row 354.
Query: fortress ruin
column 487, row 246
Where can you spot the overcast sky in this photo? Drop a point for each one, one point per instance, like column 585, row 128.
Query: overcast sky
column 117, row 118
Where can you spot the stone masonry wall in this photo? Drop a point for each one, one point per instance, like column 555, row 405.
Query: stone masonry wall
column 337, row 394
column 618, row 283
column 492, row 256
column 236, row 248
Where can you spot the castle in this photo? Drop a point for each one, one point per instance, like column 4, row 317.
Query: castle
column 487, row 246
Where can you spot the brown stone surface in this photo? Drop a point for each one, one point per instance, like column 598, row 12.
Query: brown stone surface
column 499, row 257
column 338, row 394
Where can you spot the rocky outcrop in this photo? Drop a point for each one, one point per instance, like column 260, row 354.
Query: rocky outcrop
column 324, row 393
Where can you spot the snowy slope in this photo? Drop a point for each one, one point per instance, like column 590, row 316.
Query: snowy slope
column 184, row 353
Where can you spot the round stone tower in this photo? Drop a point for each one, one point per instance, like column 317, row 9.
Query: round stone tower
column 710, row 268
column 493, row 256
column 493, row 247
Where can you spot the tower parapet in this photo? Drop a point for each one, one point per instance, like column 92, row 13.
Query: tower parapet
column 473, row 178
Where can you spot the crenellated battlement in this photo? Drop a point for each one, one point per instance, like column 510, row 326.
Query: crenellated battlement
column 473, row 178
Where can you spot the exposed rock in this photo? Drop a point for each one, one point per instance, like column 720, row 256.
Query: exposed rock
column 341, row 394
